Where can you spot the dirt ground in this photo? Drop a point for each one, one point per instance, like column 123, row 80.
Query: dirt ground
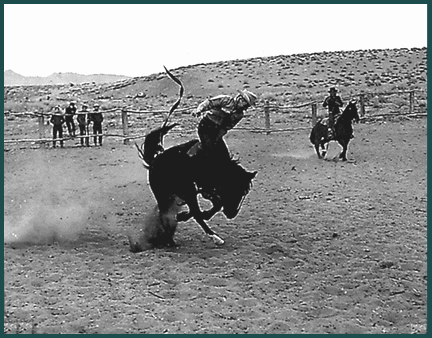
column 319, row 246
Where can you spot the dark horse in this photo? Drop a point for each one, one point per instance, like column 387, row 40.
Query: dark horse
column 175, row 177
column 343, row 131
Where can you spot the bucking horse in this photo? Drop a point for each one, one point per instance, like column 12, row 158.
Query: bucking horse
column 343, row 131
column 176, row 178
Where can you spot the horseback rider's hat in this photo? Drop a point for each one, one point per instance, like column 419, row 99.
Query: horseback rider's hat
column 248, row 96
column 333, row 89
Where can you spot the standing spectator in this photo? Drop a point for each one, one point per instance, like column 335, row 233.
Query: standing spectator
column 96, row 117
column 333, row 102
column 70, row 112
column 57, row 120
column 83, row 122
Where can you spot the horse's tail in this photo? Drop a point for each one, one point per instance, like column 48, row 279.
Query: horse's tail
column 312, row 135
column 153, row 145
column 153, row 142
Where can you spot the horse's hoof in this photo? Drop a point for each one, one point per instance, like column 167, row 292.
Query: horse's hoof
column 217, row 240
column 135, row 247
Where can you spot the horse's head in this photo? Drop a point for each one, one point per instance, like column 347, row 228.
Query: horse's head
column 236, row 188
column 351, row 111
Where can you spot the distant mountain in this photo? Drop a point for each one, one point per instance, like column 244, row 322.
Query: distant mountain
column 10, row 77
column 14, row 79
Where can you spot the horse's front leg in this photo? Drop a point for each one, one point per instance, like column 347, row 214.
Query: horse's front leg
column 317, row 150
column 216, row 201
column 342, row 155
column 208, row 214
column 198, row 216
column 184, row 216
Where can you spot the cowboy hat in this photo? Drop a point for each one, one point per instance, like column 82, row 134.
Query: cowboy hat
column 332, row 89
column 248, row 96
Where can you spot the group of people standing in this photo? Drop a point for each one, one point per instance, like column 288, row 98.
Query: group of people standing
column 84, row 118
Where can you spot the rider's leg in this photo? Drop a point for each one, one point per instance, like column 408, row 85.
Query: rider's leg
column 208, row 133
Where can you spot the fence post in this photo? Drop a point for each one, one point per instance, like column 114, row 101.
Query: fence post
column 125, row 124
column 314, row 114
column 41, row 130
column 362, row 105
column 411, row 98
column 267, row 115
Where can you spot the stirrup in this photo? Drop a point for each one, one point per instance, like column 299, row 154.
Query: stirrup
column 194, row 150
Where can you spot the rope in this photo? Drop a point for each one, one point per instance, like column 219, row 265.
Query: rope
column 176, row 104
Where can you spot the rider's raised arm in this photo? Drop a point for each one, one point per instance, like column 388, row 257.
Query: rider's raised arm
column 326, row 102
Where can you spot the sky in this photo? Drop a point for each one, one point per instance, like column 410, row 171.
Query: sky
column 139, row 39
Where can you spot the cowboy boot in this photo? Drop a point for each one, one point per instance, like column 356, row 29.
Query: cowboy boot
column 194, row 150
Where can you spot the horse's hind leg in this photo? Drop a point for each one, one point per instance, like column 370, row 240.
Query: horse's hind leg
column 168, row 224
column 324, row 148
column 317, row 150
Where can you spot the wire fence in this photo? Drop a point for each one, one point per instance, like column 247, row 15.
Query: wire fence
column 266, row 117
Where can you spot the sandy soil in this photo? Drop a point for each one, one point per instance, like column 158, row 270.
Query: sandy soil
column 318, row 247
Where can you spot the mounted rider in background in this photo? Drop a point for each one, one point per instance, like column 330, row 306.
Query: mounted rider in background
column 333, row 103
column 223, row 112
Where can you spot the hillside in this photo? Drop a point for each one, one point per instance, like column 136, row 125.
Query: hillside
column 14, row 79
column 283, row 78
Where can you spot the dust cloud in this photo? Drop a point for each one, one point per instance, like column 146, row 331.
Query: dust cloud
column 45, row 203
column 44, row 224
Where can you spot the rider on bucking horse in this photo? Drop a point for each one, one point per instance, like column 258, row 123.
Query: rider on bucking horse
column 223, row 112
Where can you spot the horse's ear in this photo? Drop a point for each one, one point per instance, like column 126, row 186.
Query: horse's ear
column 353, row 101
column 252, row 174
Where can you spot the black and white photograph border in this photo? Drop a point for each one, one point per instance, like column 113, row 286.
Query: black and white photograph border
column 215, row 168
